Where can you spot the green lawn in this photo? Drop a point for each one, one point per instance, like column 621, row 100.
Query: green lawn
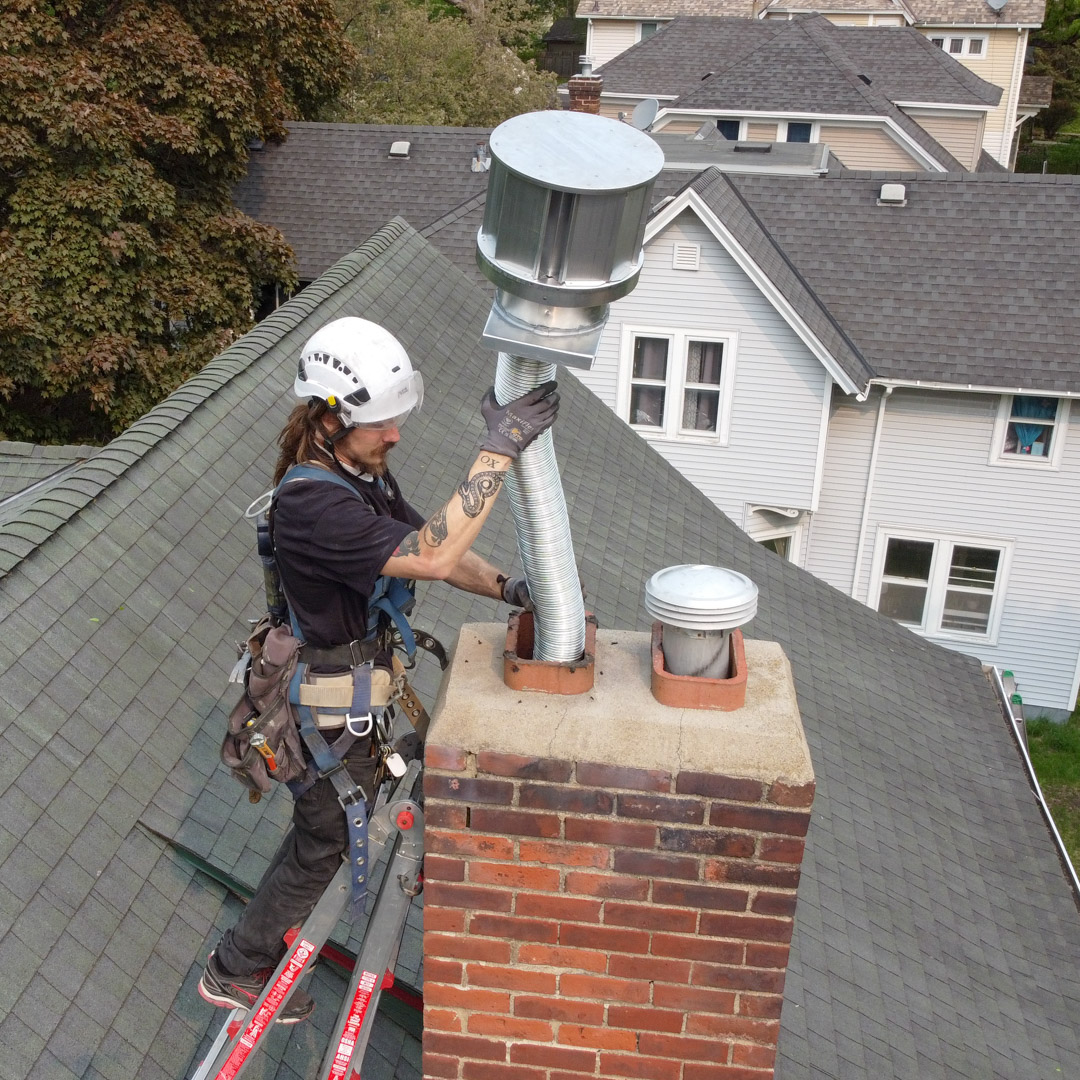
column 1061, row 157
column 1055, row 753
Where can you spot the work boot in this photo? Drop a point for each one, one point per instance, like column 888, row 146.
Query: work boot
column 242, row 991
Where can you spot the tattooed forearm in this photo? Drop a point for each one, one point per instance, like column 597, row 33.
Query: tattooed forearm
column 410, row 545
column 476, row 491
column 436, row 530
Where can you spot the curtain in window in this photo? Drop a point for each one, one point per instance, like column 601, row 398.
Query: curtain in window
column 1032, row 408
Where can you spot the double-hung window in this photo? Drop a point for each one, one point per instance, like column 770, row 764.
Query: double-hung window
column 971, row 46
column 1030, row 431
column 677, row 384
column 942, row 587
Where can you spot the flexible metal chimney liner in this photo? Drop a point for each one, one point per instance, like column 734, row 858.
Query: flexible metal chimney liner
column 568, row 194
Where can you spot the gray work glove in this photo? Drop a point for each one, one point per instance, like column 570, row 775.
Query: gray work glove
column 510, row 428
column 515, row 592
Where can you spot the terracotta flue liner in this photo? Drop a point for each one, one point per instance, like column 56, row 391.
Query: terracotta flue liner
column 692, row 691
column 522, row 672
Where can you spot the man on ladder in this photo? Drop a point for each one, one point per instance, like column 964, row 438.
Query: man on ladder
column 347, row 551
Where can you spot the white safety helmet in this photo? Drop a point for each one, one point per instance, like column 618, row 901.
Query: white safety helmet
column 361, row 371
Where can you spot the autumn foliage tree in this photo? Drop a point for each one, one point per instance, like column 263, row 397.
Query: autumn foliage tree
column 123, row 125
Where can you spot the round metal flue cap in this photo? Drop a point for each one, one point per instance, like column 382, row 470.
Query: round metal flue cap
column 698, row 597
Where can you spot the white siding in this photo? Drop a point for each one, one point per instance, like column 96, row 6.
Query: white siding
column 933, row 475
column 861, row 147
column 609, row 37
column 776, row 412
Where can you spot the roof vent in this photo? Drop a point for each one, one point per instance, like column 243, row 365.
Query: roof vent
column 699, row 607
column 892, row 195
column 866, row 79
column 481, row 159
column 753, row 148
column 400, row 149
column 997, row 5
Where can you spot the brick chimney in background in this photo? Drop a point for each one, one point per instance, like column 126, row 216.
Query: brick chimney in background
column 610, row 882
column 585, row 88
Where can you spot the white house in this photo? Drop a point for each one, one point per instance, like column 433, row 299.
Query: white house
column 874, row 378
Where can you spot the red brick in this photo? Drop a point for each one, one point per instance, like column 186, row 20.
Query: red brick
column 442, row 971
column 774, row 903
column 510, row 978
column 443, row 757
column 562, row 957
column 445, row 815
column 758, row 955
column 748, row 872
column 463, row 947
column 650, row 917
column 649, row 968
column 593, row 774
column 763, row 1005
column 615, row 833
column 761, row 1057
column 440, row 868
column 515, row 822
column 558, row 1057
column 711, row 897
column 683, row 1048
column 601, row 1038
column 719, row 787
column 602, row 988
column 608, row 938
column 609, row 885
column 746, row 927
column 707, row 842
column 724, row 1072
column 499, row 926
column 695, row 947
column 441, row 1020
column 560, row 854
column 781, row 849
column 574, row 1012
column 455, row 843
column 782, row 794
column 574, row 800
column 737, row 1028
column 450, row 919
column 640, row 1067
column 689, row 998
column 512, row 875
column 718, row 976
column 462, row 1046
column 524, row 768
column 460, row 997
column 760, row 819
column 564, row 908
column 511, row 1027
column 648, row 864
column 440, row 1065
column 659, row 808
column 645, row 1019
column 468, row 789
column 448, row 894
column 486, row 1070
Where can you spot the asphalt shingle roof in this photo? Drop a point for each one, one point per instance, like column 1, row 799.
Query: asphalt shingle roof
column 935, row 936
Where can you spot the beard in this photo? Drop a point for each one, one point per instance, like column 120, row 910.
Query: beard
column 374, row 461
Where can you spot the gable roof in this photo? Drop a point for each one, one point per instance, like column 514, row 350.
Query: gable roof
column 915, row 304
column 935, row 934
column 328, row 187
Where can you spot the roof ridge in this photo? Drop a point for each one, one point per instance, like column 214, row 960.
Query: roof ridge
column 21, row 534
column 774, row 31
column 965, row 76
column 463, row 209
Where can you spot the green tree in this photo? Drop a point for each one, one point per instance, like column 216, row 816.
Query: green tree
column 1057, row 54
column 123, row 125
column 437, row 64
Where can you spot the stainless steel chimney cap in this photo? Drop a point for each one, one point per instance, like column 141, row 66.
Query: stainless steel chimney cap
column 699, row 597
column 576, row 152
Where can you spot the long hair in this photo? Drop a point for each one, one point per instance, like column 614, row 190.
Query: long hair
column 301, row 438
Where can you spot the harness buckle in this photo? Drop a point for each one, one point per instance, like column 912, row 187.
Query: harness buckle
column 367, row 719
column 353, row 797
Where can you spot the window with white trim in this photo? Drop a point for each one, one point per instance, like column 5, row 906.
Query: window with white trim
column 796, row 131
column 677, row 384
column 943, row 587
column 730, row 129
column 969, row 45
column 646, row 30
column 1030, row 430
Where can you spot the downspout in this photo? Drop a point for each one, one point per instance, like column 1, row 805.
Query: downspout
column 879, row 423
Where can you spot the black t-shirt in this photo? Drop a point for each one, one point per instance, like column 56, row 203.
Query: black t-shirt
column 331, row 546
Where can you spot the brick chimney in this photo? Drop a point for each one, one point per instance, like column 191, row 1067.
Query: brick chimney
column 610, row 882
column 585, row 89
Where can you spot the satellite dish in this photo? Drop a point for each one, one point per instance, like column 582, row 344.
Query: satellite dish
column 645, row 113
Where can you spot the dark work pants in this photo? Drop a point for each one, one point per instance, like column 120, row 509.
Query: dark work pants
column 298, row 874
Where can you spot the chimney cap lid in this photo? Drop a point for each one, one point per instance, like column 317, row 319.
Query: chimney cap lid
column 699, row 597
